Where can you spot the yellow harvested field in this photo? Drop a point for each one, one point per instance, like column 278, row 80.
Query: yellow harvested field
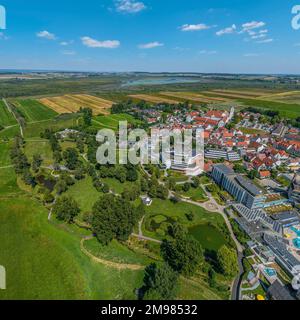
column 228, row 95
column 72, row 103
column 253, row 94
column 193, row 97
column 153, row 99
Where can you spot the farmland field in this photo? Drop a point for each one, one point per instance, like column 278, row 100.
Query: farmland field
column 193, row 97
column 285, row 109
column 232, row 96
column 72, row 103
column 153, row 99
column 284, row 97
column 33, row 110
column 6, row 118
column 252, row 94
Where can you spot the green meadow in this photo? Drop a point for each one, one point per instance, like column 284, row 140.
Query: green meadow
column 285, row 109
column 34, row 111
column 6, row 118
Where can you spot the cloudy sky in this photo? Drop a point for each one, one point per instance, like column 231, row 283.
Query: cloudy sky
column 151, row 35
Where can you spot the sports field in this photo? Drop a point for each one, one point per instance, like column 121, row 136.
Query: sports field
column 72, row 103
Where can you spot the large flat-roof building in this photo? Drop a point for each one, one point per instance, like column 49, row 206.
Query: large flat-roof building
column 242, row 189
column 294, row 190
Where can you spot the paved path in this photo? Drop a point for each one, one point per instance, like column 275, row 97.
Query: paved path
column 145, row 238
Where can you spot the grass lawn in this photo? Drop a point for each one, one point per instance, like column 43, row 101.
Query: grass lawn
column 209, row 237
column 34, row 110
column 196, row 289
column 84, row 193
column 112, row 121
column 116, row 186
column 195, row 194
column 4, row 154
column 43, row 261
column 162, row 213
column 10, row 132
column 116, row 252
column 40, row 147
column 8, row 182
column 34, row 130
column 177, row 176
column 6, row 118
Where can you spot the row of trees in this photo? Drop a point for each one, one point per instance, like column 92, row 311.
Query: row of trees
column 21, row 163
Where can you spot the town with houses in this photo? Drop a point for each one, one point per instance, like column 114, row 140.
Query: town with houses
column 256, row 166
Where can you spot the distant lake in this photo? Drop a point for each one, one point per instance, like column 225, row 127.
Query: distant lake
column 158, row 81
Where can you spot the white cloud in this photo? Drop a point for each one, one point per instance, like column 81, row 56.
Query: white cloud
column 265, row 41
column 259, row 36
column 92, row 43
column 208, row 52
column 68, row 53
column 251, row 55
column 228, row 30
column 66, row 43
column 151, row 45
column 46, row 35
column 194, row 27
column 130, row 6
column 252, row 25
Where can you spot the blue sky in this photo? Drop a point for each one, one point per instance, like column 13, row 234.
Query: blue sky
column 231, row 36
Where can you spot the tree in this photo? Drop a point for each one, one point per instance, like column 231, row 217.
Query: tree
column 66, row 209
column 183, row 253
column 160, row 282
column 61, row 186
column 131, row 193
column 36, row 162
column 80, row 145
column 57, row 156
column 195, row 182
column 71, row 158
column 87, row 116
column 186, row 187
column 113, row 218
column 227, row 261
column 252, row 174
column 28, row 178
column 162, row 192
column 48, row 197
